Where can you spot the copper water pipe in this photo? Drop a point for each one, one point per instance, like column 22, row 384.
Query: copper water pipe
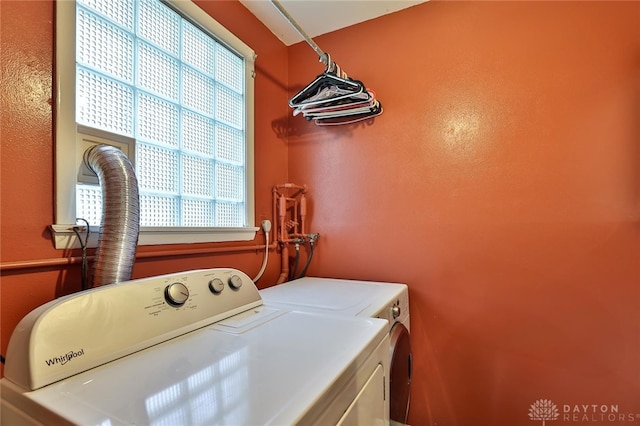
column 276, row 231
column 284, row 268
column 280, row 211
column 303, row 212
column 76, row 260
column 300, row 209
column 300, row 188
column 274, row 216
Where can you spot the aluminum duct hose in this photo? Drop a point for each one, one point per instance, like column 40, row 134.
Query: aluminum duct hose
column 120, row 214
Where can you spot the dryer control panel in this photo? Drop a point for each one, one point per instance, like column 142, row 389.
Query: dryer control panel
column 400, row 308
column 397, row 309
column 84, row 330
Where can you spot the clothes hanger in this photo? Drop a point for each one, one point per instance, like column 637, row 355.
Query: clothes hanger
column 328, row 86
column 349, row 119
column 333, row 97
column 356, row 101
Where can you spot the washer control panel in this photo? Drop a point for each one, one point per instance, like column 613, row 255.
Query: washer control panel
column 86, row 329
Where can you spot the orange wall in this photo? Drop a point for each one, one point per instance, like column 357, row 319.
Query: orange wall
column 27, row 167
column 502, row 183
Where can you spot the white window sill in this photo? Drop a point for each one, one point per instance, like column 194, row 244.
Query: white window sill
column 65, row 238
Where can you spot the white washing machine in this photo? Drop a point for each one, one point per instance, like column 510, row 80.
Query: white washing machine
column 192, row 348
column 351, row 298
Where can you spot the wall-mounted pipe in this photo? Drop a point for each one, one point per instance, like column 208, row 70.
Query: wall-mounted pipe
column 303, row 213
column 120, row 214
column 290, row 217
column 284, row 255
column 77, row 260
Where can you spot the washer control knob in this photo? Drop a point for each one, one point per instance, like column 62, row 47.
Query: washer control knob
column 395, row 311
column 176, row 294
column 235, row 282
column 216, row 285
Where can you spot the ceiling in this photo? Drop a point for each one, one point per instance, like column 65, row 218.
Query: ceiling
column 318, row 17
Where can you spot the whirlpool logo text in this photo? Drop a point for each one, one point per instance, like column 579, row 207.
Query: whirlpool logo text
column 63, row 359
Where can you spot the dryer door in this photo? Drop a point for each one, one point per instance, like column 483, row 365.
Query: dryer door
column 400, row 375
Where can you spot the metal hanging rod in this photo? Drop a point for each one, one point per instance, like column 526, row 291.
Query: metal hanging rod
column 324, row 57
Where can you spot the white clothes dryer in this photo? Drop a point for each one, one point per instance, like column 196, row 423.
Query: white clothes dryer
column 196, row 348
column 340, row 297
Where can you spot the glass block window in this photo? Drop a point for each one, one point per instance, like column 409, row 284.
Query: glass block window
column 146, row 72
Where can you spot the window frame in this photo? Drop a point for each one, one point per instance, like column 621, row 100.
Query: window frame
column 67, row 160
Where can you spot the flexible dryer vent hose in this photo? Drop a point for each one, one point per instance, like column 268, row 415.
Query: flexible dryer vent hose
column 120, row 214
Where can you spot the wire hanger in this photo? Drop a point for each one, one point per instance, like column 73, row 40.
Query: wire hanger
column 326, row 86
column 333, row 97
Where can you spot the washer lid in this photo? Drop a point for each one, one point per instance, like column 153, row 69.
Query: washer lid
column 270, row 373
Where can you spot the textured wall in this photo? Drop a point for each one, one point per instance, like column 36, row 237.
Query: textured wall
column 502, row 184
